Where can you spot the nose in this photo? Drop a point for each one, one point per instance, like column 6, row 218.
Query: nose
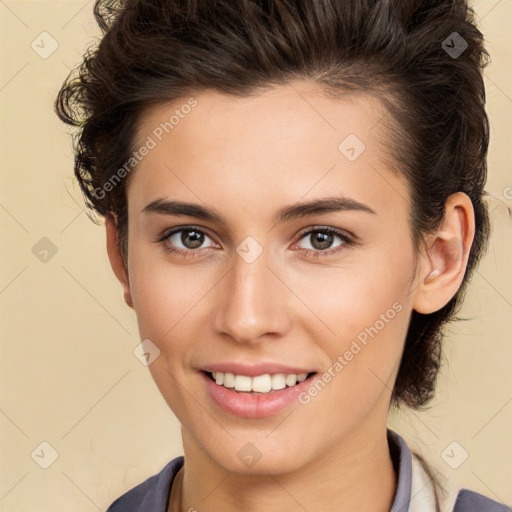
column 253, row 302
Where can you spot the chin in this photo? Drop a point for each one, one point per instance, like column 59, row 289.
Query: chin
column 252, row 457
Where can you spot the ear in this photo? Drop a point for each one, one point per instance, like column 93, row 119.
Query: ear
column 442, row 268
column 116, row 259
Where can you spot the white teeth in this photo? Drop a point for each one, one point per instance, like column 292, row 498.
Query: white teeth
column 229, row 380
column 242, row 382
column 291, row 379
column 278, row 381
column 259, row 384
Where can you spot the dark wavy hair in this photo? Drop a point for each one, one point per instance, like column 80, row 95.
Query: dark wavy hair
column 155, row 51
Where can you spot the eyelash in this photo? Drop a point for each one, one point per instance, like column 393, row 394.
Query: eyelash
column 347, row 241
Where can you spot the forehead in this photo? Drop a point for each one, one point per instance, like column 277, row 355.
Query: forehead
column 292, row 137
column 300, row 108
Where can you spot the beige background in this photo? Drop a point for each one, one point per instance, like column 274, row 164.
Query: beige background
column 68, row 373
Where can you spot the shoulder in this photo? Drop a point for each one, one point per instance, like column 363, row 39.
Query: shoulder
column 150, row 495
column 471, row 501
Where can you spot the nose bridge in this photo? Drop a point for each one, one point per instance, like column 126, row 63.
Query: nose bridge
column 253, row 303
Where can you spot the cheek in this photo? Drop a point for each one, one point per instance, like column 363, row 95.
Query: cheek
column 171, row 308
column 167, row 303
column 357, row 301
column 163, row 296
column 365, row 314
column 364, row 359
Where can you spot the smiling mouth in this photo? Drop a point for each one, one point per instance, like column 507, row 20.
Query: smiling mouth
column 259, row 384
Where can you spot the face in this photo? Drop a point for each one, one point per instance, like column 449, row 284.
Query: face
column 261, row 288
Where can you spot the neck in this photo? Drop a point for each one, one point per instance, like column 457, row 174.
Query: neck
column 353, row 475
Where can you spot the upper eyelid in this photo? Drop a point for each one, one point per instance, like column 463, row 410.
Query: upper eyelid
column 336, row 231
column 172, row 231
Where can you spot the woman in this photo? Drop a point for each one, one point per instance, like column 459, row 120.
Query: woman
column 293, row 202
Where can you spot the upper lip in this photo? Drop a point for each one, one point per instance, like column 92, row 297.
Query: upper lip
column 252, row 370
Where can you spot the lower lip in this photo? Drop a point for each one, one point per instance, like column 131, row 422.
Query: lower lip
column 254, row 406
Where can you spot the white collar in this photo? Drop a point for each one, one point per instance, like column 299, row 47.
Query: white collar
column 428, row 497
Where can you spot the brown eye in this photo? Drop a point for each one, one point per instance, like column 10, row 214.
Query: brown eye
column 191, row 238
column 322, row 239
column 185, row 240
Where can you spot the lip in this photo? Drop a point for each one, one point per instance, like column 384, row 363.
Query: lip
column 252, row 370
column 254, row 406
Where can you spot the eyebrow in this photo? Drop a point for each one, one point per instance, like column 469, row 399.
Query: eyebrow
column 294, row 211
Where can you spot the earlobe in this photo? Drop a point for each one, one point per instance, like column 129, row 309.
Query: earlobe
column 444, row 266
column 116, row 260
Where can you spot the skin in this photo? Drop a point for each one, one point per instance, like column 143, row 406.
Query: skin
column 247, row 158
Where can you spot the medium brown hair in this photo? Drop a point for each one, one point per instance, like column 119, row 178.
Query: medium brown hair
column 155, row 51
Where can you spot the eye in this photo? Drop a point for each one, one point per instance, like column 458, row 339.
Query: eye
column 322, row 239
column 190, row 237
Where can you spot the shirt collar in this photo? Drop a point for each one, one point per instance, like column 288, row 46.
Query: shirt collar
column 402, row 461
